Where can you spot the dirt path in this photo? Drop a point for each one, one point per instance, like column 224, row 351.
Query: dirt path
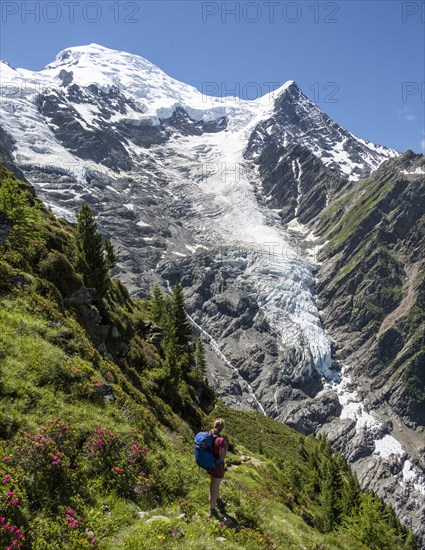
column 245, row 460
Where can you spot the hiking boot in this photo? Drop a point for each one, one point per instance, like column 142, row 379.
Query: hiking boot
column 221, row 504
column 214, row 514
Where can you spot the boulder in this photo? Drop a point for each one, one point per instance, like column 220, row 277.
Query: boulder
column 81, row 296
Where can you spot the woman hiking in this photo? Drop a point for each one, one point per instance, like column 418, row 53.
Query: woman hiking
column 217, row 473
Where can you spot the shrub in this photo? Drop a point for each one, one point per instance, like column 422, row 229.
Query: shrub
column 7, row 276
column 68, row 530
column 57, row 269
column 10, row 535
column 44, row 470
column 121, row 465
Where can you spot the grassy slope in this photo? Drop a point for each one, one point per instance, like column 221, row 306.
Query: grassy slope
column 50, row 368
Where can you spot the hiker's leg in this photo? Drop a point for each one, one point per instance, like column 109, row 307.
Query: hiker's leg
column 214, row 491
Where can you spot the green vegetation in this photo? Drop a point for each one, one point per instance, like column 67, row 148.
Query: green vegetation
column 375, row 233
column 101, row 397
column 94, row 258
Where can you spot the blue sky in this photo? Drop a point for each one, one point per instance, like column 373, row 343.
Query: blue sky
column 361, row 61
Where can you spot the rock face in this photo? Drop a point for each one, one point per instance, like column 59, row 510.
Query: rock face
column 224, row 195
column 372, row 293
column 250, row 370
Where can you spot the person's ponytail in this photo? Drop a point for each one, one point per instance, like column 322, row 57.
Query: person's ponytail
column 217, row 426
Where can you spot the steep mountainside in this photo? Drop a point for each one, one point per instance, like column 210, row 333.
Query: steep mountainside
column 223, row 195
column 372, row 293
column 98, row 411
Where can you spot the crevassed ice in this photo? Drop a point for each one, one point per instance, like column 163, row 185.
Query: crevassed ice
column 229, row 213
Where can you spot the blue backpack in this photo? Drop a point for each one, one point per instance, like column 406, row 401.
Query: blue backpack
column 203, row 450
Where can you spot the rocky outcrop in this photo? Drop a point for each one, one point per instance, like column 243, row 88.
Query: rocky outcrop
column 81, row 296
column 294, row 180
column 7, row 146
column 106, row 143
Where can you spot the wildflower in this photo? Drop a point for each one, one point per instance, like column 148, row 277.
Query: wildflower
column 73, row 524
column 92, row 538
column 6, row 458
column 7, row 478
column 117, row 470
column 14, row 501
column 55, row 460
column 10, row 494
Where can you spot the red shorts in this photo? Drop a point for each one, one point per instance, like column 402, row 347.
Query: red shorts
column 217, row 472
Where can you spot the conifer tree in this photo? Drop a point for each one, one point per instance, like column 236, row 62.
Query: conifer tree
column 181, row 321
column 200, row 361
column 170, row 344
column 330, row 494
column 370, row 525
column 109, row 253
column 350, row 496
column 90, row 252
column 156, row 303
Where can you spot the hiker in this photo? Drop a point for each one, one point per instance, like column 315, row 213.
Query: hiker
column 217, row 473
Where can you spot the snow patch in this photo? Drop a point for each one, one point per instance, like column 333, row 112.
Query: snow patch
column 420, row 170
column 193, row 249
column 388, row 446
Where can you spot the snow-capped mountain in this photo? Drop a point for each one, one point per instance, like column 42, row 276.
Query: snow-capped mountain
column 215, row 192
column 94, row 88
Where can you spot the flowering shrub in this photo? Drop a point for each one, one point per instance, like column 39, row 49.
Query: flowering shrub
column 12, row 500
column 101, row 450
column 71, row 519
column 41, row 472
column 10, row 535
column 44, row 470
column 63, row 434
column 123, row 466
column 68, row 531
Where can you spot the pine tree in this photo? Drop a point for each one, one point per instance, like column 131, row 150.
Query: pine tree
column 156, row 304
column 350, row 496
column 330, row 494
column 411, row 542
column 181, row 321
column 371, row 525
column 170, row 345
column 109, row 254
column 200, row 361
column 90, row 252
